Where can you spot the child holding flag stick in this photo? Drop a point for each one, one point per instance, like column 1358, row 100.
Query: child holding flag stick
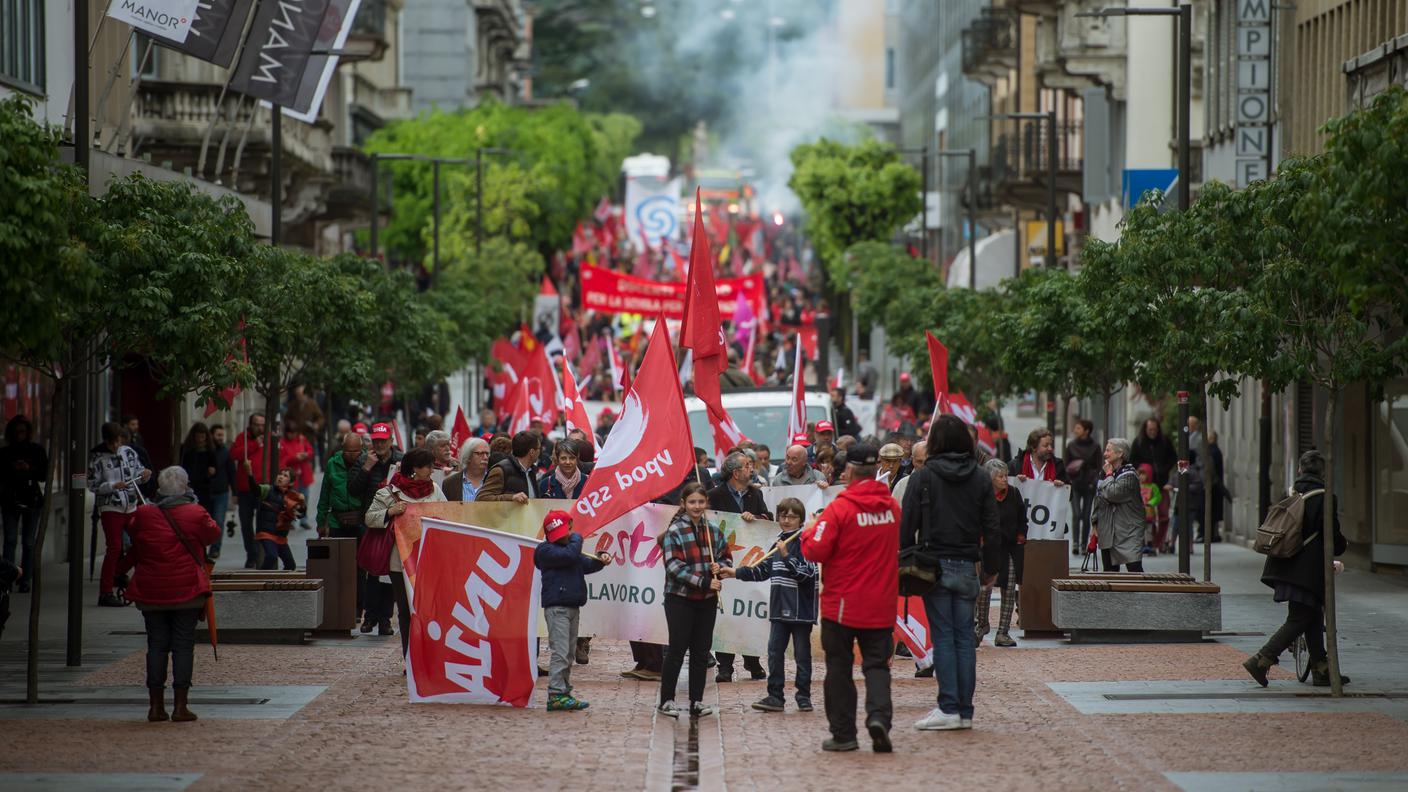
column 696, row 556
column 792, row 607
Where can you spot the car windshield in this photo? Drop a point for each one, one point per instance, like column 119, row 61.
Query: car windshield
column 766, row 425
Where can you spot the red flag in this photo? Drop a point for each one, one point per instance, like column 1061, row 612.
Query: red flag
column 748, row 359
column 702, row 329
column 619, row 377
column 938, row 365
column 797, row 416
column 543, row 389
column 912, row 629
column 602, row 212
column 957, row 404
column 459, row 431
column 726, row 434
column 649, row 450
column 547, row 289
column 474, row 620
column 521, row 409
column 503, row 381
column 573, row 410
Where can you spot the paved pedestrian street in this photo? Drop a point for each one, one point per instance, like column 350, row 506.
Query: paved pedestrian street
column 333, row 714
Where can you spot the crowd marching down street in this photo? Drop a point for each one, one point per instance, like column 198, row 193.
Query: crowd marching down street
column 866, row 531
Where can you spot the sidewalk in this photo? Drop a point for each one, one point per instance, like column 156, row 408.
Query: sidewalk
column 1051, row 716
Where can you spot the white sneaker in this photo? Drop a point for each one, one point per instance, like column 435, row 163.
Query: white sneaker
column 965, row 723
column 669, row 710
column 937, row 720
column 698, row 709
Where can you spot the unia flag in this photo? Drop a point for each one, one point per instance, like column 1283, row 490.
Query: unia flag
column 649, row 450
column 474, row 617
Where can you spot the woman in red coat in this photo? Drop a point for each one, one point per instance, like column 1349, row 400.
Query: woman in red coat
column 170, row 584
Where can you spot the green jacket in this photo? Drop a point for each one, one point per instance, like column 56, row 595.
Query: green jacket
column 334, row 496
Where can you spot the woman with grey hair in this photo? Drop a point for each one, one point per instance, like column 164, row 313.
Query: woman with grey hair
column 1012, row 525
column 1119, row 511
column 170, row 584
column 465, row 484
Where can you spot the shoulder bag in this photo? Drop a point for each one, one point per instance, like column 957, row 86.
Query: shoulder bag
column 200, row 565
column 919, row 566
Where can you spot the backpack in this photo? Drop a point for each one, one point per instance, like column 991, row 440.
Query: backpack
column 1280, row 536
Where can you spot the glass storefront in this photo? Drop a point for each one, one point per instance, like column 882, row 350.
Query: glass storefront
column 1390, row 442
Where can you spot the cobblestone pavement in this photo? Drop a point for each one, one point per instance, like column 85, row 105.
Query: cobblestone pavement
column 360, row 732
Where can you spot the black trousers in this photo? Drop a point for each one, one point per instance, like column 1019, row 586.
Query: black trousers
column 691, row 625
column 1111, row 566
column 876, row 644
column 649, row 656
column 170, row 632
column 380, row 599
column 1301, row 619
column 750, row 662
column 403, row 611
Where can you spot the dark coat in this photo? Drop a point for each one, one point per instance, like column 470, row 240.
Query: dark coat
column 1012, row 524
column 1158, row 452
column 504, row 480
column 363, row 484
column 721, row 500
column 845, row 420
column 197, row 465
column 550, row 487
column 1086, row 458
column 1015, row 466
column 23, row 487
column 564, row 571
column 1306, row 570
column 792, row 596
column 949, row 507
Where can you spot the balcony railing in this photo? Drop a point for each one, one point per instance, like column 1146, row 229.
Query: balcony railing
column 990, row 44
column 1021, row 154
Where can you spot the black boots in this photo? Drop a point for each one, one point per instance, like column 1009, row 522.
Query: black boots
column 156, row 713
column 179, row 712
column 1257, row 665
column 1320, row 674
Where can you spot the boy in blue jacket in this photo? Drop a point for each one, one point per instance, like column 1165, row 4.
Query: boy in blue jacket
column 792, row 608
column 565, row 568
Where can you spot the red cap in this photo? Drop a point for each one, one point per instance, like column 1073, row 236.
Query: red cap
column 381, row 431
column 606, row 412
column 801, row 439
column 359, row 428
column 825, row 426
column 557, row 524
column 904, row 376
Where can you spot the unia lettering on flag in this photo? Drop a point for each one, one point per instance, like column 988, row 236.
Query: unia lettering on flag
column 474, row 617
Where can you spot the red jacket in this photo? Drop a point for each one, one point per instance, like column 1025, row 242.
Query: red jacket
column 166, row 574
column 857, row 542
column 252, row 449
column 288, row 458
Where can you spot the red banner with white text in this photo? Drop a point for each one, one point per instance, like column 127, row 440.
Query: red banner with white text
column 474, row 617
column 613, row 292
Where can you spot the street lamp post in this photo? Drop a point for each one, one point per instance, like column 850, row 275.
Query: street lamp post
column 1051, row 209
column 1184, row 13
column 972, row 155
column 435, row 162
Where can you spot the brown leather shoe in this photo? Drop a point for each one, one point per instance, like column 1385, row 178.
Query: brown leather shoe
column 179, row 712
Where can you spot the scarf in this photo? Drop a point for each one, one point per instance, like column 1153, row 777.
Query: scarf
column 1123, row 469
column 172, row 501
column 416, row 488
column 569, row 485
column 1029, row 469
column 1001, row 496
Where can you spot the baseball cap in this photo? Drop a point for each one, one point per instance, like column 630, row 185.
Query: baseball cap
column 359, row 428
column 381, row 431
column 557, row 524
column 825, row 426
column 862, row 454
column 891, row 451
column 904, row 376
column 801, row 439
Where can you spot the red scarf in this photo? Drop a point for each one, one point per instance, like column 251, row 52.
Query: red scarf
column 1029, row 470
column 416, row 488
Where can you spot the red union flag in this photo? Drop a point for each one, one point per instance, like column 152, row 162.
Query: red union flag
column 459, row 432
column 938, row 366
column 912, row 629
column 797, row 415
column 701, row 329
column 649, row 450
column 474, row 617
column 573, row 410
column 726, row 434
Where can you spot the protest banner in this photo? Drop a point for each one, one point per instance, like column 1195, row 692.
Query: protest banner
column 613, row 292
column 1048, row 509
column 814, row 498
column 626, row 598
column 474, row 617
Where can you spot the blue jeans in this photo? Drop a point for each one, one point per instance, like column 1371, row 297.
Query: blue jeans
column 274, row 553
column 955, row 645
column 800, row 634
column 218, row 506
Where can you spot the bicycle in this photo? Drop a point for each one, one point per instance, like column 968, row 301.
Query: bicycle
column 1302, row 658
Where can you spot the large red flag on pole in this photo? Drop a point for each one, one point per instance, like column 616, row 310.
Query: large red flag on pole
column 459, row 431
column 702, row 328
column 938, row 366
column 797, row 416
column 573, row 410
column 649, row 451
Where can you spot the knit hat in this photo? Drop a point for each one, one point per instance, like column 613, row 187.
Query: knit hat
column 556, row 525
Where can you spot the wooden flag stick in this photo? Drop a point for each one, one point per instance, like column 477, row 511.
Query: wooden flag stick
column 786, row 541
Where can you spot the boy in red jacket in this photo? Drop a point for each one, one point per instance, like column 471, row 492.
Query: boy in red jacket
column 857, row 542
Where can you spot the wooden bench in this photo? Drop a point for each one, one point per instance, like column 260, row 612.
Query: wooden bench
column 1114, row 607
column 266, row 607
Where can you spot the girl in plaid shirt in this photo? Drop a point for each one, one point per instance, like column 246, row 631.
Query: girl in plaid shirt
column 692, row 585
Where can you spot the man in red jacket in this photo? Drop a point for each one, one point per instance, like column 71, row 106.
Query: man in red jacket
column 247, row 457
column 857, row 542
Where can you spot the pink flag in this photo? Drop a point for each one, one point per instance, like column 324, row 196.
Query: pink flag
column 649, row 451
column 797, row 416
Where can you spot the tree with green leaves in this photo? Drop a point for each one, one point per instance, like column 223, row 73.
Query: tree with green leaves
column 1332, row 230
column 479, row 295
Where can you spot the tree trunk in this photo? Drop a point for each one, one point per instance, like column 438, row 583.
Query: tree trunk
column 31, row 679
column 271, row 454
column 1327, row 534
column 1107, row 393
column 1205, row 455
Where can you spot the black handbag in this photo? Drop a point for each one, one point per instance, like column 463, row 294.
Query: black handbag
column 919, row 566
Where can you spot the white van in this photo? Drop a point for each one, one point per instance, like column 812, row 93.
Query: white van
column 761, row 414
